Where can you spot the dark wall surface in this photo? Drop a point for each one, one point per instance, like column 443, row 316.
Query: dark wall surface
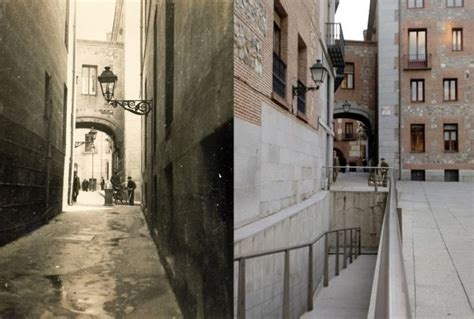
column 188, row 158
column 33, row 66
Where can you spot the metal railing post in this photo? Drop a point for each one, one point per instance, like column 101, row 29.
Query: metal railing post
column 286, row 286
column 310, row 278
column 241, row 290
column 326, row 260
column 356, row 244
column 337, row 253
column 399, row 214
column 350, row 249
column 344, row 260
column 360, row 239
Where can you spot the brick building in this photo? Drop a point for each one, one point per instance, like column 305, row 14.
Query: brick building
column 355, row 105
column 33, row 112
column 426, row 112
column 188, row 141
column 282, row 141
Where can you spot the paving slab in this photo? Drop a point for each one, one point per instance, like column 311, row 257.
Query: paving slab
column 438, row 247
column 89, row 262
column 348, row 295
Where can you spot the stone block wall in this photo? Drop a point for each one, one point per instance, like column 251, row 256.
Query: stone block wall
column 188, row 148
column 33, row 114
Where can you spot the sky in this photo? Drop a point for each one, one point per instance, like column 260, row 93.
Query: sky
column 353, row 15
column 95, row 19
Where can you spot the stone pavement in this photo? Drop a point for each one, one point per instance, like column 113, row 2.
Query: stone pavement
column 348, row 295
column 89, row 262
column 355, row 182
column 438, row 247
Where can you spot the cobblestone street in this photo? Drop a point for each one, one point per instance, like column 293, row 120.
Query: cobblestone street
column 90, row 262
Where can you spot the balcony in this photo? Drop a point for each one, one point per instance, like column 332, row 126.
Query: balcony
column 339, row 77
column 279, row 76
column 335, row 43
column 417, row 61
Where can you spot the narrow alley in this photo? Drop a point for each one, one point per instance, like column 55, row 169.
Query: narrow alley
column 89, row 262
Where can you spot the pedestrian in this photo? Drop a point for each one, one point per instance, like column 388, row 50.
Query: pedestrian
column 76, row 186
column 115, row 180
column 384, row 170
column 336, row 166
column 84, row 185
column 131, row 190
column 102, row 183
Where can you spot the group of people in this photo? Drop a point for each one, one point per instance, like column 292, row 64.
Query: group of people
column 116, row 182
column 382, row 172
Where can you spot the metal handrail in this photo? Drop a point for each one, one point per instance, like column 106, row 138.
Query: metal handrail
column 389, row 289
column 354, row 252
column 381, row 174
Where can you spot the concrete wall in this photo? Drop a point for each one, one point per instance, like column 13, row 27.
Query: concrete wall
column 32, row 128
column 388, row 81
column 359, row 209
column 188, row 161
column 264, row 275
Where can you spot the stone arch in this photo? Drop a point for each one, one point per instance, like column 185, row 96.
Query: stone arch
column 363, row 114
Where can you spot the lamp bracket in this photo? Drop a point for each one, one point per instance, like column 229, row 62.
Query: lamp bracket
column 300, row 90
column 139, row 107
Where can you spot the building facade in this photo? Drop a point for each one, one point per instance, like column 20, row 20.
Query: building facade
column 33, row 112
column 93, row 112
column 188, row 145
column 355, row 105
column 425, row 64
column 282, row 140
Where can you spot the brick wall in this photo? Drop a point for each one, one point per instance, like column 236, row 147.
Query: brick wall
column 433, row 112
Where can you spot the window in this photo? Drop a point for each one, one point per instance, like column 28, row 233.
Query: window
column 349, row 130
column 415, row 4
column 89, row 79
column 348, row 82
column 417, row 90
column 451, row 175
column 454, row 3
column 302, row 67
column 417, row 45
column 279, row 66
column 417, row 138
column 451, row 137
column 64, row 135
column 418, row 175
column 457, row 39
column 450, row 89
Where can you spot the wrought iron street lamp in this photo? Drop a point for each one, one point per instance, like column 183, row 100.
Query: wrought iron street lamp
column 107, row 82
column 318, row 73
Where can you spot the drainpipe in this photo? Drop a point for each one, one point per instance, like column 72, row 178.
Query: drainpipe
column 399, row 94
column 73, row 106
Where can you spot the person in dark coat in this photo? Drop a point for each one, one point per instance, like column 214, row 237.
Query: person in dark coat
column 76, row 186
column 131, row 190
column 115, row 180
column 384, row 170
column 102, row 183
column 85, row 185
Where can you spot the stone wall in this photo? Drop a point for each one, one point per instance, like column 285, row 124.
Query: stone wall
column 188, row 148
column 32, row 121
column 264, row 275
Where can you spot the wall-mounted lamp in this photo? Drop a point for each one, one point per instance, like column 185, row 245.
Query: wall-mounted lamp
column 107, row 82
column 346, row 106
column 318, row 73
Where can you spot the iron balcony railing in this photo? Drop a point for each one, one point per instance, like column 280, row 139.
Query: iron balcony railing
column 352, row 253
column 335, row 43
column 417, row 61
column 279, row 75
column 301, row 101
